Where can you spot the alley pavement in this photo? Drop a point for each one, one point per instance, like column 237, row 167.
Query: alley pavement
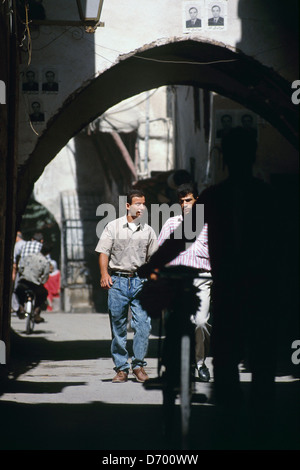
column 58, row 395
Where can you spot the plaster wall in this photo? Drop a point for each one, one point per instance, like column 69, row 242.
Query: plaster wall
column 58, row 176
column 192, row 147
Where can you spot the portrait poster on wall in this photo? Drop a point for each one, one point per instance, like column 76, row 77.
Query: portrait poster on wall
column 216, row 15
column 204, row 15
column 49, row 80
column 30, row 81
column 192, row 16
column 226, row 119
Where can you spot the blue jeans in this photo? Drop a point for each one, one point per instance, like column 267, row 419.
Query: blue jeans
column 121, row 295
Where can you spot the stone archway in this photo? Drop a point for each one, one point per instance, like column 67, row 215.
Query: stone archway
column 204, row 64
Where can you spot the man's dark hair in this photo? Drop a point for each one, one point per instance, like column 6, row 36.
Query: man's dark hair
column 187, row 188
column 134, row 193
column 46, row 248
column 38, row 236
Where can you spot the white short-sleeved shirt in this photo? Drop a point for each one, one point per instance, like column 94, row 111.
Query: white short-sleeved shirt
column 127, row 249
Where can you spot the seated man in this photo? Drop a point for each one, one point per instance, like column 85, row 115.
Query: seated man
column 33, row 273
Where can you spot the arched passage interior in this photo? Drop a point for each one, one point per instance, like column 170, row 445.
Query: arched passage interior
column 201, row 64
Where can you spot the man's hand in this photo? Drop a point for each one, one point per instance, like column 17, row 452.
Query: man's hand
column 106, row 281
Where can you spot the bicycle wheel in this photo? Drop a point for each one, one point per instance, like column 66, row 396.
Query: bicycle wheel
column 29, row 317
column 185, row 390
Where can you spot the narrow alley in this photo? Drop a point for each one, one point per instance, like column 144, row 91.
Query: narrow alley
column 59, row 396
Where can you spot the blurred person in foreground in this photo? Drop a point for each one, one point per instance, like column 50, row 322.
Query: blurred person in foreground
column 243, row 242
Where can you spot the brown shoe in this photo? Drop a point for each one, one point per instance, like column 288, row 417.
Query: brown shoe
column 121, row 377
column 140, row 374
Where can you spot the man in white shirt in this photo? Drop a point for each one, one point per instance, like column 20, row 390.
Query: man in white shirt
column 125, row 244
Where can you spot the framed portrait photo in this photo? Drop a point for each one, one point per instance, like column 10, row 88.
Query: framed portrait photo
column 192, row 16
column 225, row 120
column 36, row 111
column 50, row 80
column 216, row 15
column 248, row 120
column 30, row 81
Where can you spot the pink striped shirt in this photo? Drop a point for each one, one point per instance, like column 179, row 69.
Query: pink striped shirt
column 197, row 255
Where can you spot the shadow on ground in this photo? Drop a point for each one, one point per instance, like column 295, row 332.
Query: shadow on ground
column 104, row 426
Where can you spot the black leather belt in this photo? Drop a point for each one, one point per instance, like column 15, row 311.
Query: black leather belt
column 124, row 274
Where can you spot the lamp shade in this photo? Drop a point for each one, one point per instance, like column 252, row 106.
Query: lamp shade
column 89, row 10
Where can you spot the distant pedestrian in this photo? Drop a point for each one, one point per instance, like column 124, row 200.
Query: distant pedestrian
column 34, row 271
column 20, row 242
column 53, row 284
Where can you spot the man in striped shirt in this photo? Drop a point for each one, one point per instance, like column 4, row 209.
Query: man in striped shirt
column 196, row 256
column 20, row 252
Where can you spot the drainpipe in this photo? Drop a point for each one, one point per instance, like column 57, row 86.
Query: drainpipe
column 147, row 135
column 125, row 154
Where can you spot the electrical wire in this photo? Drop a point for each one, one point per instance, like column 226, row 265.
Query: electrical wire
column 156, row 60
column 52, row 40
column 133, row 106
column 29, row 43
column 185, row 61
